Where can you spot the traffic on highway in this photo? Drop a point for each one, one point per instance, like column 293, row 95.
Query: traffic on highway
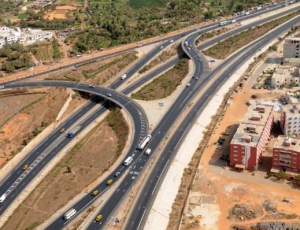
column 144, row 144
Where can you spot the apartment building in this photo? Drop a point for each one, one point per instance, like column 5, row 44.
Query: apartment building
column 251, row 137
column 286, row 154
column 290, row 119
column 286, row 77
column 291, row 47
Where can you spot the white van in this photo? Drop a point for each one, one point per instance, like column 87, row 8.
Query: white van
column 2, row 198
column 70, row 213
column 148, row 151
column 123, row 76
column 128, row 161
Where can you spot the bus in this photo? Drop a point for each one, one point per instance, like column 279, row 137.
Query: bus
column 70, row 214
column 144, row 142
column 128, row 161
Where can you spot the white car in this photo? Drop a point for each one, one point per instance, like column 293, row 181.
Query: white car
column 108, row 95
column 188, row 85
column 2, row 198
column 161, row 47
column 219, row 147
column 148, row 151
column 171, row 41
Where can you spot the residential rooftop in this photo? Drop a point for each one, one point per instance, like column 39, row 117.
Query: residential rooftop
column 287, row 143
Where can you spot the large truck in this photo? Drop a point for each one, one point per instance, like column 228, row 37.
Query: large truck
column 73, row 132
column 144, row 142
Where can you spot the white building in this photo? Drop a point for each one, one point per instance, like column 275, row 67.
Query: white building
column 2, row 43
column 291, row 47
column 25, row 36
column 290, row 119
column 285, row 77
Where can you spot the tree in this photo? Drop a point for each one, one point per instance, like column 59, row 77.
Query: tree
column 239, row 7
column 209, row 14
column 8, row 67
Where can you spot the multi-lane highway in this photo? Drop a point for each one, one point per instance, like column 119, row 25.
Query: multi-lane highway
column 158, row 135
column 139, row 212
column 159, row 132
column 47, row 150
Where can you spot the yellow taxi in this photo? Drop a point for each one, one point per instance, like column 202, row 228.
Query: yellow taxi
column 109, row 182
column 62, row 130
column 98, row 218
column 25, row 167
column 95, row 192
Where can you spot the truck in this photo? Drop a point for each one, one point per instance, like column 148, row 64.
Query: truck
column 73, row 132
column 70, row 213
column 128, row 161
column 144, row 142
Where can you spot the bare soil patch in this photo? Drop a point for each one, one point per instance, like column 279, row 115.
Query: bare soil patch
column 60, row 12
column 225, row 48
column 24, row 116
column 165, row 84
column 102, row 72
column 76, row 171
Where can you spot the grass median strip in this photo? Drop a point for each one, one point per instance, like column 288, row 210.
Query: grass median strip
column 165, row 84
column 225, row 48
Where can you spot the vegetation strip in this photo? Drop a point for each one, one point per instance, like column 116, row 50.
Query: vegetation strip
column 224, row 48
column 164, row 85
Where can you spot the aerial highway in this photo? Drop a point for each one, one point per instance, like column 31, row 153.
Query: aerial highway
column 129, row 73
column 143, row 204
column 138, row 165
column 190, row 41
column 166, row 42
column 46, row 152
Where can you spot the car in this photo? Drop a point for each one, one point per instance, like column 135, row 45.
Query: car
column 171, row 41
column 199, row 60
column 98, row 218
column 2, row 198
column 188, row 85
column 108, row 95
column 221, row 139
column 196, row 78
column 62, row 130
column 225, row 133
column 148, row 151
column 219, row 147
column 91, row 86
column 110, row 181
column 25, row 167
column 117, row 174
column 95, row 192
column 161, row 47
